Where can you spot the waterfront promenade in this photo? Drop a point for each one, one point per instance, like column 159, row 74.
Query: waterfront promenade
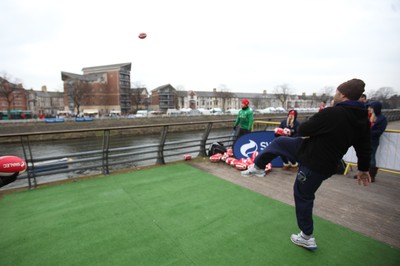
column 373, row 210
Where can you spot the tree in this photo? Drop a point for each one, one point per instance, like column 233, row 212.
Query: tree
column 282, row 93
column 257, row 102
column 136, row 94
column 394, row 102
column 383, row 95
column 223, row 94
column 327, row 93
column 7, row 92
column 80, row 90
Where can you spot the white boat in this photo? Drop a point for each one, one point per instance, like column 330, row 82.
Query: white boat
column 49, row 165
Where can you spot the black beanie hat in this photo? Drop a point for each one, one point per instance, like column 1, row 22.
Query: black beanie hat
column 352, row 89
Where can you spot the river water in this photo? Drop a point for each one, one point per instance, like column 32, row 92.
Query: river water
column 54, row 148
column 59, row 147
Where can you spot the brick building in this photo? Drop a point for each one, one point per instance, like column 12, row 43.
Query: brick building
column 12, row 96
column 100, row 88
column 163, row 98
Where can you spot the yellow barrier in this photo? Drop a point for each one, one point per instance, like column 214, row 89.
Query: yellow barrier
column 264, row 123
column 350, row 165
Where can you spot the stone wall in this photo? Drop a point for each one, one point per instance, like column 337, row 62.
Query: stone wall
column 31, row 126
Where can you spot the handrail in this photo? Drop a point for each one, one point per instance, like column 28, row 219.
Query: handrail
column 108, row 158
column 113, row 128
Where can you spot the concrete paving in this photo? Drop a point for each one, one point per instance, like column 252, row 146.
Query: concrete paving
column 373, row 210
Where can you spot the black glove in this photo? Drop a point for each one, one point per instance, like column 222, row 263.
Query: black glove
column 234, row 128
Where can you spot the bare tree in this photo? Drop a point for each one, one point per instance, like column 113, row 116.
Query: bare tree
column 257, row 102
column 394, row 102
column 327, row 93
column 180, row 88
column 383, row 95
column 137, row 94
column 8, row 91
column 223, row 93
column 327, row 90
column 80, row 90
column 283, row 92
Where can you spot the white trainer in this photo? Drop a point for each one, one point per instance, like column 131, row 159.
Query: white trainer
column 305, row 243
column 253, row 171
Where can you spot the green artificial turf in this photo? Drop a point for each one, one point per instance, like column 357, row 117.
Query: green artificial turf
column 168, row 215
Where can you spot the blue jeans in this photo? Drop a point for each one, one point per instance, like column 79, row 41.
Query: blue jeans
column 307, row 181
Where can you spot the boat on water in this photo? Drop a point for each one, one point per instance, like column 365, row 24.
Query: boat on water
column 84, row 119
column 49, row 165
column 54, row 120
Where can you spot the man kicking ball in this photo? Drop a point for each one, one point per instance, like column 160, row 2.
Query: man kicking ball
column 324, row 140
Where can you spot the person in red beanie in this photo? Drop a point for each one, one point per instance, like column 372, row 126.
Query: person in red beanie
column 244, row 119
column 290, row 127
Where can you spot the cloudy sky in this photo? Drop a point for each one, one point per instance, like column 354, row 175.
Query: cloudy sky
column 242, row 46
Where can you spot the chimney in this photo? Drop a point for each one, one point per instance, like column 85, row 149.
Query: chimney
column 44, row 88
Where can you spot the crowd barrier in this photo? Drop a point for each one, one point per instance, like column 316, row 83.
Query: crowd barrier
column 387, row 155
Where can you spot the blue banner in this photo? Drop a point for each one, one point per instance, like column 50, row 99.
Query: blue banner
column 245, row 145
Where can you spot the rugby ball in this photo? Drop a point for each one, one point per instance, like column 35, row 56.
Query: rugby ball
column 268, row 168
column 278, row 131
column 229, row 160
column 142, row 35
column 241, row 166
column 216, row 157
column 10, row 165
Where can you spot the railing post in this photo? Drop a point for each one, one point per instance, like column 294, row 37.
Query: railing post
column 203, row 141
column 160, row 152
column 30, row 170
column 106, row 146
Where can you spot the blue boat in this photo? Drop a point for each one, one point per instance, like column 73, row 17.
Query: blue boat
column 54, row 120
column 84, row 119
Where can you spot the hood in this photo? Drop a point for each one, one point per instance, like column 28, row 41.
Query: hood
column 294, row 113
column 356, row 112
column 377, row 106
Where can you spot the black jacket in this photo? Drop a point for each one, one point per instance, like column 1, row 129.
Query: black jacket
column 380, row 124
column 331, row 132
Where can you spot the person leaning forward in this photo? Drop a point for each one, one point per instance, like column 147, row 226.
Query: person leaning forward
column 324, row 140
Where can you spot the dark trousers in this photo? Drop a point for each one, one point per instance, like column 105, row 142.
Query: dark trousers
column 286, row 161
column 374, row 148
column 307, row 181
column 242, row 132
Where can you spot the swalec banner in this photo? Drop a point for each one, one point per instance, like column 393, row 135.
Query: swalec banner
column 245, row 145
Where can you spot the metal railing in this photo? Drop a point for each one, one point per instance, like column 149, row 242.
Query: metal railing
column 110, row 155
column 114, row 156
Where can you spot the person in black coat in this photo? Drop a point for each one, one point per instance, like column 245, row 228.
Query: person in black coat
column 378, row 125
column 324, row 140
